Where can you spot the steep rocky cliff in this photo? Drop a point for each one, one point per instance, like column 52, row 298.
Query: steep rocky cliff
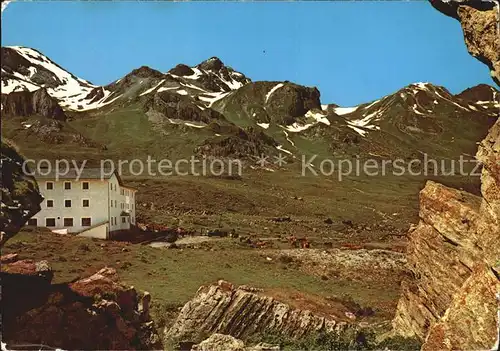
column 450, row 301
column 242, row 313
column 480, row 27
column 91, row 313
column 25, row 103
column 19, row 193
column 443, row 252
column 468, row 322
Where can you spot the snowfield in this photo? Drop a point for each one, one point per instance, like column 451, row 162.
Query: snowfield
column 153, row 88
column 344, row 110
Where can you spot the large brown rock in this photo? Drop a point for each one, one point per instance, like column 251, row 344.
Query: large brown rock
column 470, row 323
column 482, row 36
column 224, row 309
column 450, row 301
column 440, row 256
column 20, row 197
column 479, row 20
column 222, row 342
column 457, row 233
column 489, row 155
column 96, row 312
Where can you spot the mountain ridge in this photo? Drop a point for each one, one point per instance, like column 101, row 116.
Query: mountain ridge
column 182, row 71
column 228, row 114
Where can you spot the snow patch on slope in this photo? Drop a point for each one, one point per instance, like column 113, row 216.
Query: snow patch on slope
column 166, row 88
column 276, row 87
column 318, row 117
column 153, row 88
column 212, row 97
column 280, row 148
column 344, row 110
column 232, row 84
column 71, row 91
column 11, row 85
column 360, row 131
column 288, row 138
column 197, row 74
column 297, row 127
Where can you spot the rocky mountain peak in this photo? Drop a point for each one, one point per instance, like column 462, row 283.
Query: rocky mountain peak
column 481, row 92
column 212, row 64
column 181, row 70
column 146, row 72
column 425, row 87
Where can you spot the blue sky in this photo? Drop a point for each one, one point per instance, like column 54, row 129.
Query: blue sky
column 353, row 52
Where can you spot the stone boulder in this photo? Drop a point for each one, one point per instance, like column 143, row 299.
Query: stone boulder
column 19, row 193
column 95, row 312
column 223, row 342
column 450, row 299
column 470, row 323
column 222, row 308
column 479, row 21
column 220, row 342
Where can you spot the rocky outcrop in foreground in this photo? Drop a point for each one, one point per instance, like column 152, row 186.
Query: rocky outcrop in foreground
column 93, row 313
column 241, row 313
column 222, row 342
column 469, row 320
column 451, row 240
column 25, row 103
column 450, row 302
column 19, row 193
column 480, row 26
column 453, row 254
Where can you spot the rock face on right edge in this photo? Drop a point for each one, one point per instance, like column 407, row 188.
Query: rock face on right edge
column 479, row 22
column 468, row 322
column 450, row 302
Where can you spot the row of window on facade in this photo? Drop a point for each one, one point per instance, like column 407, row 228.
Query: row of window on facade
column 86, row 186
column 67, row 185
column 124, row 220
column 123, row 206
column 67, row 203
column 124, row 192
column 67, row 222
column 86, row 203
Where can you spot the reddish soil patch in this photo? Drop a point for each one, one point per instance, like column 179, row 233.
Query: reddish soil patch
column 318, row 305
